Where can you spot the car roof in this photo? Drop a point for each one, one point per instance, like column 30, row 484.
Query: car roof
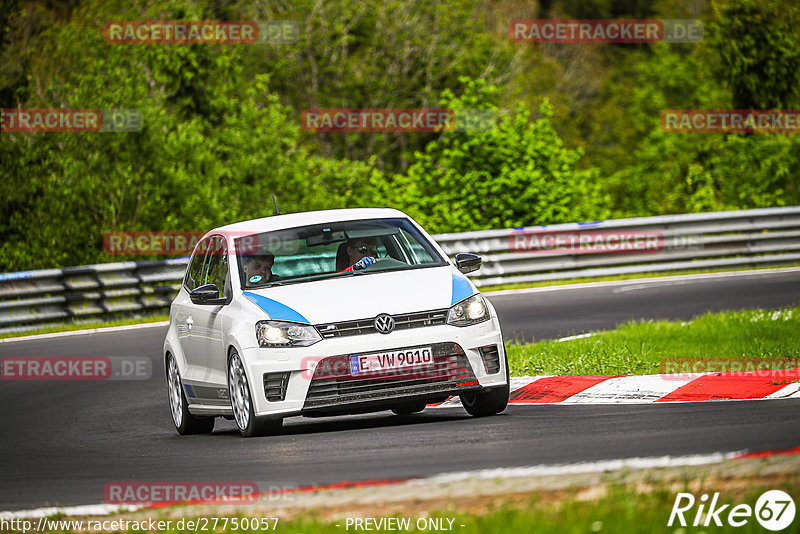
column 291, row 220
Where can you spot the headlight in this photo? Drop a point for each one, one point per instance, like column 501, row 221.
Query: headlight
column 468, row 312
column 284, row 334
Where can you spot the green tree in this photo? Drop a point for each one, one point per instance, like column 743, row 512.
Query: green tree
column 515, row 173
column 759, row 44
column 694, row 172
column 379, row 54
column 209, row 153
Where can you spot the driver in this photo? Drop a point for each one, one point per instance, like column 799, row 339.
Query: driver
column 258, row 268
column 362, row 253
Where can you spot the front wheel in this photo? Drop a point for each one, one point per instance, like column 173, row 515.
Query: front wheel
column 185, row 422
column 487, row 402
column 408, row 409
column 242, row 403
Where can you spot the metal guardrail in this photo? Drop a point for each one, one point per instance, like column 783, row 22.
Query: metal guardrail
column 693, row 241
column 30, row 298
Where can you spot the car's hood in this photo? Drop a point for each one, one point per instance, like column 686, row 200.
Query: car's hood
column 364, row 296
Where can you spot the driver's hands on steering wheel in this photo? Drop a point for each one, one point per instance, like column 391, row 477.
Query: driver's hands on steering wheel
column 363, row 263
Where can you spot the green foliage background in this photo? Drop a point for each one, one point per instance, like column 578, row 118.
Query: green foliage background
column 576, row 133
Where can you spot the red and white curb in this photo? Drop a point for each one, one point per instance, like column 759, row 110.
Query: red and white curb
column 574, row 389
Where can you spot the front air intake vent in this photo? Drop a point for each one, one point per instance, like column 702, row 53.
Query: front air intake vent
column 275, row 385
column 491, row 359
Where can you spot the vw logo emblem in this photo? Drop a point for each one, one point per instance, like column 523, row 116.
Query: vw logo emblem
column 384, row 323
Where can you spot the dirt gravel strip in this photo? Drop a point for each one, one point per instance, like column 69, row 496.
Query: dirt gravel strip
column 482, row 491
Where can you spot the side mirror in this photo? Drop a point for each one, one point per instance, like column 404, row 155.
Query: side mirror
column 207, row 294
column 466, row 263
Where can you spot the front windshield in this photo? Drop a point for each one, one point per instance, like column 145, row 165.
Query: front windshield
column 331, row 250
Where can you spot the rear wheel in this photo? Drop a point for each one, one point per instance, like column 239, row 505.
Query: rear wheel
column 242, row 403
column 185, row 422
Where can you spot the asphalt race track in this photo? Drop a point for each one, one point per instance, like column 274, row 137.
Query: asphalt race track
column 61, row 442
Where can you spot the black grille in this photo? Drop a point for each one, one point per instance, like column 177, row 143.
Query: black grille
column 491, row 359
column 275, row 386
column 402, row 321
column 333, row 385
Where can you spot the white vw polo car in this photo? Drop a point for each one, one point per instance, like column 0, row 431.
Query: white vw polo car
column 328, row 313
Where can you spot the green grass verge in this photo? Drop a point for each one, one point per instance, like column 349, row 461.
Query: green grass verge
column 638, row 348
column 620, row 510
column 631, row 276
column 69, row 327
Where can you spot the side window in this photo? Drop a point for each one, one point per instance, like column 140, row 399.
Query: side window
column 195, row 271
column 216, row 267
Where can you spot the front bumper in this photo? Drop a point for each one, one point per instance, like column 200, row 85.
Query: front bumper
column 299, row 381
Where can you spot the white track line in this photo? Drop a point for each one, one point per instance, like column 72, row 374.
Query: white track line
column 582, row 467
column 579, row 336
column 87, row 331
column 83, row 510
column 654, row 280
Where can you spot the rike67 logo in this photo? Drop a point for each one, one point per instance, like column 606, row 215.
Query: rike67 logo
column 774, row 510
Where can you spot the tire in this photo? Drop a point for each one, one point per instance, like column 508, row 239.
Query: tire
column 487, row 402
column 185, row 423
column 408, row 409
column 242, row 403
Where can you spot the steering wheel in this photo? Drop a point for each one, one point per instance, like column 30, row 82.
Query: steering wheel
column 383, row 263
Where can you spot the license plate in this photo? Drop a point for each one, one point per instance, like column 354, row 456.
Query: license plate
column 397, row 359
